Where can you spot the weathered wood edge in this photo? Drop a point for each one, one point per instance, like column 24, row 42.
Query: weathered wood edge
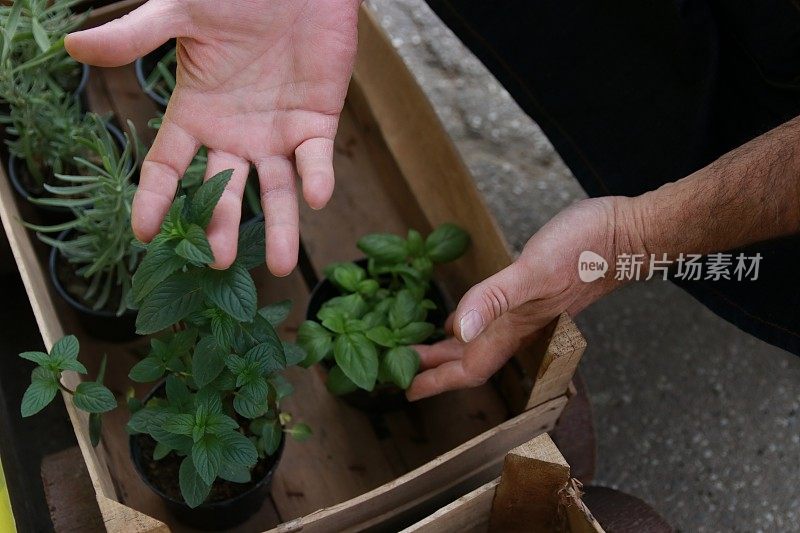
column 469, row 512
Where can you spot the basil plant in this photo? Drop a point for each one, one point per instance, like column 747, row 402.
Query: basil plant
column 365, row 335
column 221, row 356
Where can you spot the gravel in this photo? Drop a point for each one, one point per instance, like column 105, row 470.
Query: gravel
column 694, row 416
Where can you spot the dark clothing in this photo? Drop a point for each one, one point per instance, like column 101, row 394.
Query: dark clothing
column 637, row 93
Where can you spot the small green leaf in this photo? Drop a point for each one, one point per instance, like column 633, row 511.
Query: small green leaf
column 161, row 451
column 194, row 488
column 347, row 276
column 294, row 354
column 368, row 287
column 169, row 303
column 66, row 348
column 194, row 246
column 40, row 35
column 251, row 245
column 231, row 290
column 219, row 424
column 158, row 264
column 276, row 313
column 95, row 428
column 268, row 357
column 208, row 361
column 416, row 246
column 223, row 328
column 205, row 199
column 447, row 243
column 207, row 457
column 235, row 364
column 251, row 400
column 300, row 432
column 179, row 424
column 40, row 358
column 358, row 358
column 271, row 436
column 338, row 383
column 234, row 474
column 93, row 397
column 316, row 341
column 414, row 333
column 384, row 247
column 147, row 370
column 400, row 365
column 178, row 393
column 238, row 450
column 403, row 309
column 38, row 396
column 351, row 306
column 382, row 336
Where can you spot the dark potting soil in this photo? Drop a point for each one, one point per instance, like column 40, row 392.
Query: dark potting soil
column 76, row 286
column 163, row 474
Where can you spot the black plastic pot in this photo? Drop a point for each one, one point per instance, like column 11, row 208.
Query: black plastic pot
column 383, row 398
column 144, row 66
column 213, row 516
column 100, row 324
column 50, row 214
column 80, row 90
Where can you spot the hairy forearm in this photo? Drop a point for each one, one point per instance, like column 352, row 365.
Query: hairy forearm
column 750, row 194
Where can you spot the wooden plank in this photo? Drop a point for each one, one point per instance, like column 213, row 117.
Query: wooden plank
column 468, row 514
column 553, row 371
column 479, row 456
column 528, row 496
column 69, row 492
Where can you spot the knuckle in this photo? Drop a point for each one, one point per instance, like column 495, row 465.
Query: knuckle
column 495, row 300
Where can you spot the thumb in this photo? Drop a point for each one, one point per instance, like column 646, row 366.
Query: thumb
column 489, row 300
column 121, row 41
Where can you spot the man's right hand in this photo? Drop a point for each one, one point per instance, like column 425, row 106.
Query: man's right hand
column 259, row 82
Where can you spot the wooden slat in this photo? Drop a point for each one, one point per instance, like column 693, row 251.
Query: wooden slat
column 468, row 514
column 528, row 496
column 478, row 458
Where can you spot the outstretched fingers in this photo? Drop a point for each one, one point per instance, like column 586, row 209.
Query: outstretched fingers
column 314, row 159
column 223, row 230
column 162, row 169
column 279, row 202
column 121, row 41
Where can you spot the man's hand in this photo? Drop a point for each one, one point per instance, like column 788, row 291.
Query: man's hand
column 509, row 310
column 258, row 82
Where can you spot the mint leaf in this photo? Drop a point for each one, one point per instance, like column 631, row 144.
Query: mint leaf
column 238, row 450
column 251, row 245
column 40, row 358
column 400, row 365
column 268, row 357
column 384, row 247
column 208, row 361
column 205, row 199
column 194, row 488
column 66, row 348
column 446, row 243
column 194, row 246
column 158, row 264
column 93, row 397
column 207, row 457
column 169, row 303
column 38, row 396
column 220, row 425
column 234, row 474
column 271, row 436
column 316, row 341
column 147, row 370
column 223, row 328
column 299, row 432
column 276, row 313
column 358, row 358
column 251, row 400
column 179, row 424
column 338, row 383
column 294, row 353
column 231, row 290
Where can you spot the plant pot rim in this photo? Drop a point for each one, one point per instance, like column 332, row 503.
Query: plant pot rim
column 276, row 457
column 142, row 78
column 62, row 291
column 13, row 176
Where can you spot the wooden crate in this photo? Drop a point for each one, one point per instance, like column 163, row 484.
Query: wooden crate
column 534, row 494
column 396, row 168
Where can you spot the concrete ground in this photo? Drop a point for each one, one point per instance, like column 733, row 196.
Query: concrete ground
column 694, row 416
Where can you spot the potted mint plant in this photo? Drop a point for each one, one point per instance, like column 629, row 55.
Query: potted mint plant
column 364, row 317
column 208, row 438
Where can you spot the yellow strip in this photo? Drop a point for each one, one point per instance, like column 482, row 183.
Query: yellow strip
column 6, row 516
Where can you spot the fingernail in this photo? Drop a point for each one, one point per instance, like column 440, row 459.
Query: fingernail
column 471, row 325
